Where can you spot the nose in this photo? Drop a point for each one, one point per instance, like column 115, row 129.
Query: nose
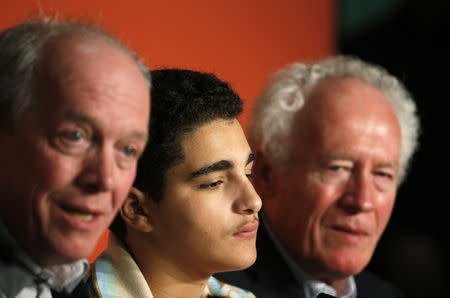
column 248, row 201
column 98, row 172
column 359, row 195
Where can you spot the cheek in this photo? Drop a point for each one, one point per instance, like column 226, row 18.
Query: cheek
column 201, row 217
column 319, row 197
column 318, row 201
column 205, row 214
column 53, row 171
column 384, row 210
column 123, row 186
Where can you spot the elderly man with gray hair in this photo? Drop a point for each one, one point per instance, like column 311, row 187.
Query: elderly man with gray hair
column 74, row 112
column 333, row 142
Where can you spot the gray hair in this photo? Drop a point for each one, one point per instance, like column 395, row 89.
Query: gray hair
column 271, row 119
column 20, row 50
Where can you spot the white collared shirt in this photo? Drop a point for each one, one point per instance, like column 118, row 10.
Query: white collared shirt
column 21, row 277
column 311, row 286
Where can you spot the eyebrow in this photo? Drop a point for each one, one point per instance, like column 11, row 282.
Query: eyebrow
column 346, row 156
column 78, row 116
column 218, row 166
column 83, row 118
column 139, row 135
column 388, row 165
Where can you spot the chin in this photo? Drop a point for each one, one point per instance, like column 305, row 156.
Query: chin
column 70, row 255
column 240, row 261
column 348, row 264
column 71, row 249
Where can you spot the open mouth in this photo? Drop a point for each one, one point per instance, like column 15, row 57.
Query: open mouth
column 81, row 216
column 78, row 214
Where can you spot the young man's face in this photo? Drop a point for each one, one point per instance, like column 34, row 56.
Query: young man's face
column 72, row 161
column 207, row 219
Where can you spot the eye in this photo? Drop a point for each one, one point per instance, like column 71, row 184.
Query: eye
column 336, row 171
column 129, row 151
column 212, row 185
column 71, row 140
column 383, row 174
column 249, row 171
column 335, row 168
column 74, row 136
column 384, row 180
column 127, row 157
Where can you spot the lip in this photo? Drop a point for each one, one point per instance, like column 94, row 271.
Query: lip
column 350, row 233
column 66, row 217
column 79, row 208
column 247, row 231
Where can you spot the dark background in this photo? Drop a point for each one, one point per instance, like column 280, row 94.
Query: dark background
column 410, row 39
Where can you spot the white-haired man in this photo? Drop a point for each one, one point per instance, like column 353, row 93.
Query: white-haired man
column 333, row 141
column 74, row 111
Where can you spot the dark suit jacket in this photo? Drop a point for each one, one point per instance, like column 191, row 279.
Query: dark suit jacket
column 270, row 276
column 81, row 291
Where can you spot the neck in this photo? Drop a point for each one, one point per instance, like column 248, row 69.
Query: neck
column 166, row 286
column 167, row 280
column 167, row 277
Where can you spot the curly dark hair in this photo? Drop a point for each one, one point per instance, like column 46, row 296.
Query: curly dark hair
column 181, row 101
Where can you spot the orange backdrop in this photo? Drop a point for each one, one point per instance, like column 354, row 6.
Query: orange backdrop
column 241, row 41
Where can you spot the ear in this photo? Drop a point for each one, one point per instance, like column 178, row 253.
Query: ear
column 264, row 181
column 135, row 212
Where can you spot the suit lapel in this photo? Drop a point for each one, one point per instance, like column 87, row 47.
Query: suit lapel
column 81, row 291
column 271, row 270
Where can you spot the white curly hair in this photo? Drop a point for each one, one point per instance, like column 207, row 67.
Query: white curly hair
column 283, row 95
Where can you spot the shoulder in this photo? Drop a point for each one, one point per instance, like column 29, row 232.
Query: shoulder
column 370, row 285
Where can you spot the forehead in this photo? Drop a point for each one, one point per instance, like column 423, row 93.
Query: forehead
column 330, row 92
column 337, row 100
column 347, row 113
column 76, row 58
column 216, row 140
column 87, row 74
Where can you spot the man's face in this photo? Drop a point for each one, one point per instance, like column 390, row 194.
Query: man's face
column 207, row 218
column 71, row 162
column 338, row 191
